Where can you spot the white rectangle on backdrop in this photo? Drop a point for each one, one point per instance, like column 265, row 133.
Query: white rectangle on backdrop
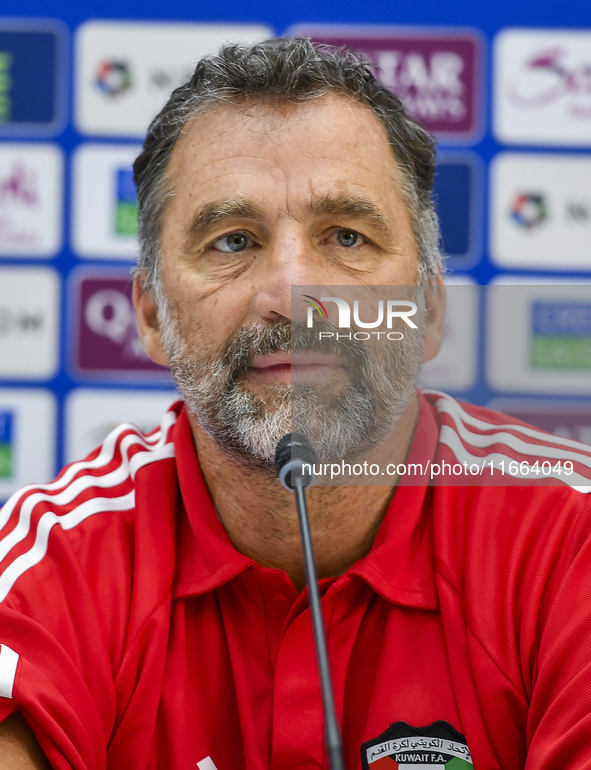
column 95, row 201
column 455, row 367
column 27, row 438
column 31, row 195
column 541, row 211
column 92, row 413
column 539, row 337
column 542, row 87
column 125, row 71
column 29, row 322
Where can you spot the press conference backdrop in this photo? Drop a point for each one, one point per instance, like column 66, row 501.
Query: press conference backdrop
column 506, row 89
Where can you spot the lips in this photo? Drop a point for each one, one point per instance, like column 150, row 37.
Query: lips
column 304, row 365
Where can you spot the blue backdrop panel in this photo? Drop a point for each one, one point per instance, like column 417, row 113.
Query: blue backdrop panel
column 67, row 246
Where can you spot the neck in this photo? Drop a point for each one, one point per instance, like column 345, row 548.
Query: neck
column 260, row 516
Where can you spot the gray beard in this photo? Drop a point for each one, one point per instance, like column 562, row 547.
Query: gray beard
column 247, row 427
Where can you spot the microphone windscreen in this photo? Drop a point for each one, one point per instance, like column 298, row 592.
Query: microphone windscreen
column 294, row 446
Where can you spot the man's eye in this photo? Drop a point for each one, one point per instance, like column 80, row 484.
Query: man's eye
column 349, row 238
column 233, row 242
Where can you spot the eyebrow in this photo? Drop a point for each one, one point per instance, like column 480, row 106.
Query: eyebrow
column 351, row 206
column 217, row 211
column 357, row 207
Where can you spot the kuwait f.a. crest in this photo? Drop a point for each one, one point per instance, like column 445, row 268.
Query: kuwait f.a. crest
column 402, row 746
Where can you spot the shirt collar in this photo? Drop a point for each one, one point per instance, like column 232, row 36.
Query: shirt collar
column 206, row 558
column 399, row 566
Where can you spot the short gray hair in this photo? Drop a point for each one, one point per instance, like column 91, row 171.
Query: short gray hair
column 294, row 70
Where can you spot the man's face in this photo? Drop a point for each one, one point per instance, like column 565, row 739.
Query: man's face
column 266, row 197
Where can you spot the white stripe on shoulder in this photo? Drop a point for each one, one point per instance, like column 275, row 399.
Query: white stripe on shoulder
column 104, row 457
column 573, row 451
column 160, row 449
column 451, row 439
column 455, row 410
column 8, row 663
column 519, row 445
column 71, row 519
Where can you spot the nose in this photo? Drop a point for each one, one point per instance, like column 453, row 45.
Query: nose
column 288, row 262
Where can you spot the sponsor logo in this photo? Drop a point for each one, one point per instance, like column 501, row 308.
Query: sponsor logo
column 405, row 747
column 30, row 199
column 126, row 204
column 6, row 444
column 539, row 337
column 435, row 73
column 32, row 87
column 113, row 78
column 6, row 59
column 543, row 86
column 529, row 209
column 19, row 187
column 105, row 202
column 546, row 77
column 578, row 212
column 164, row 79
column 125, row 71
column 21, row 320
column 27, row 438
column 541, row 211
column 106, row 335
column 29, row 317
column 561, row 335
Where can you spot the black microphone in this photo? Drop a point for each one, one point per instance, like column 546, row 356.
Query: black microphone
column 294, row 460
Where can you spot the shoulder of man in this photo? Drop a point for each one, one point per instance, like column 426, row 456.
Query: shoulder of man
column 515, row 552
column 524, row 482
column 86, row 566
column 91, row 510
column 508, row 452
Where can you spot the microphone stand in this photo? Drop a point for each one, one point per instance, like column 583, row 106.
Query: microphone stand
column 333, row 737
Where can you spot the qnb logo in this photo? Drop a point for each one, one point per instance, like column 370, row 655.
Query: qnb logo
column 109, row 313
column 389, row 310
column 546, row 78
column 113, row 78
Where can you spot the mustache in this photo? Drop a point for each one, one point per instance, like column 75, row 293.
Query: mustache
column 285, row 337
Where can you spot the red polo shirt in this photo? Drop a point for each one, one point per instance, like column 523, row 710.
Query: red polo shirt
column 134, row 635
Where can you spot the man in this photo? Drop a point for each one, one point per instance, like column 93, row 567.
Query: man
column 152, row 611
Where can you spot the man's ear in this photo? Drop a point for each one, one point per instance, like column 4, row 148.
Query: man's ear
column 148, row 322
column 435, row 300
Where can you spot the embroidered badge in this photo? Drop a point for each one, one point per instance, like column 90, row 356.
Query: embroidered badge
column 402, row 746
